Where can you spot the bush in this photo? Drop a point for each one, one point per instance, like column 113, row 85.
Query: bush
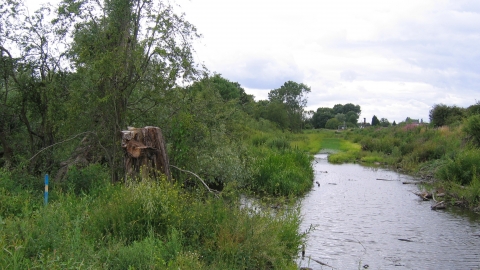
column 86, row 179
column 462, row 168
column 472, row 128
column 333, row 123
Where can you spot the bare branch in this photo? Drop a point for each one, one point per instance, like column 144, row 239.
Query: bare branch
column 209, row 189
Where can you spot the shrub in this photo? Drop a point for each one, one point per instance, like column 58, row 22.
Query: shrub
column 462, row 168
column 472, row 128
column 86, row 179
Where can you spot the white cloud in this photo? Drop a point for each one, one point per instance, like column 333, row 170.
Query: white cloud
column 394, row 58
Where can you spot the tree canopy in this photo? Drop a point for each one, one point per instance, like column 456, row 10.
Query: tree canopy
column 442, row 114
column 293, row 96
column 375, row 121
column 97, row 67
column 347, row 112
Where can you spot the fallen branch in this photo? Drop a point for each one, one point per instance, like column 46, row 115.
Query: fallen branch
column 385, row 179
column 424, row 195
column 66, row 140
column 321, row 263
column 440, row 205
column 405, row 240
column 215, row 192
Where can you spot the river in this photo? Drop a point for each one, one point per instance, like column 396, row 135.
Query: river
column 361, row 222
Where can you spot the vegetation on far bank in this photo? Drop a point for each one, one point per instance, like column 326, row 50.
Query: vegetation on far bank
column 447, row 157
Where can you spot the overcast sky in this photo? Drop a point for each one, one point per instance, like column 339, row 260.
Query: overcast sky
column 395, row 59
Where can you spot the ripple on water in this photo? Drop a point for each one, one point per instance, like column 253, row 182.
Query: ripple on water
column 360, row 220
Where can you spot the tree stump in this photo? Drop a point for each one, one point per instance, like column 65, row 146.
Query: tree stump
column 145, row 153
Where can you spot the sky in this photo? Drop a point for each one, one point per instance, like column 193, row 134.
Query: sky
column 396, row 59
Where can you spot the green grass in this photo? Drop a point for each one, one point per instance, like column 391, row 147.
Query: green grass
column 310, row 142
column 148, row 225
column 283, row 173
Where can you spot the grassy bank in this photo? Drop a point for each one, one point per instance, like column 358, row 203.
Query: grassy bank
column 446, row 157
column 280, row 168
column 315, row 141
column 156, row 224
column 148, row 225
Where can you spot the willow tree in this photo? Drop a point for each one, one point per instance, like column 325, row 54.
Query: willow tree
column 125, row 54
column 294, row 96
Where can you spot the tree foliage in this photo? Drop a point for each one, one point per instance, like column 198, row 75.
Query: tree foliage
column 375, row 121
column 321, row 116
column 333, row 123
column 294, row 96
column 100, row 66
column 472, row 128
column 347, row 112
column 441, row 114
column 93, row 69
column 384, row 122
column 127, row 54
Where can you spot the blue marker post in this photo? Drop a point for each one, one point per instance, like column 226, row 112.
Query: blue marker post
column 46, row 189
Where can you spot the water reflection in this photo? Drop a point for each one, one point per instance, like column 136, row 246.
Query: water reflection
column 366, row 216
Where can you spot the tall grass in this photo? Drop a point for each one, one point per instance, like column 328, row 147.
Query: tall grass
column 149, row 225
column 283, row 173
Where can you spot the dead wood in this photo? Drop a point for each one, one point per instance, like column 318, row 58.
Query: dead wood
column 410, row 183
column 439, row 205
column 322, row 263
column 424, row 195
column 405, row 240
column 145, row 153
column 201, row 180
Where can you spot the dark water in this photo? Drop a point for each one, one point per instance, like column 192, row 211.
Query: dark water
column 361, row 221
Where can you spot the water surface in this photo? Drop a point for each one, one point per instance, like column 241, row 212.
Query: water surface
column 362, row 221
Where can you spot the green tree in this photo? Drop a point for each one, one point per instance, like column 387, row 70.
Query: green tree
column 294, row 96
column 127, row 55
column 473, row 109
column 341, row 117
column 228, row 90
column 384, row 122
column 375, row 121
column 349, row 107
column 441, row 115
column 333, row 123
column 321, row 116
column 352, row 117
column 337, row 108
column 33, row 86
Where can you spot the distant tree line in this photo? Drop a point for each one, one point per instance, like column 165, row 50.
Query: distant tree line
column 332, row 118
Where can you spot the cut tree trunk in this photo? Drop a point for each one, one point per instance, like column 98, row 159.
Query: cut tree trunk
column 145, row 153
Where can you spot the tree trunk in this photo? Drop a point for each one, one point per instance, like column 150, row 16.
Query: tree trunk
column 145, row 153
